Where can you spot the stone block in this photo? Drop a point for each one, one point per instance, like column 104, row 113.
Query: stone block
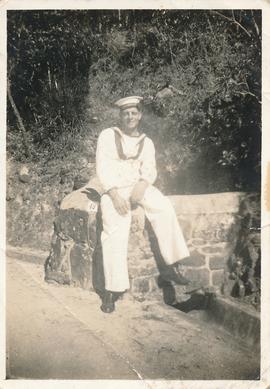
column 147, row 253
column 238, row 319
column 142, row 268
column 139, row 244
column 228, row 286
column 81, row 266
column 195, row 260
column 75, row 224
column 138, row 220
column 197, row 242
column 186, row 226
column 217, row 232
column 80, row 199
column 198, row 277
column 140, row 285
column 153, row 284
column 135, row 241
column 207, row 204
column 217, row 262
column 57, row 265
column 167, row 291
column 211, row 250
column 218, row 277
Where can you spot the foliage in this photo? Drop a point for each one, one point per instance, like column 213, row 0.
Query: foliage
column 207, row 130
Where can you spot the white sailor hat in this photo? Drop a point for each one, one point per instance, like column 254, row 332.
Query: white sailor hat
column 128, row 102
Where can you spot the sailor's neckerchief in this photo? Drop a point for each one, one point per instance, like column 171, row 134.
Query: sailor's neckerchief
column 118, row 135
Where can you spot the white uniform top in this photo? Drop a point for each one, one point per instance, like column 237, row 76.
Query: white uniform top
column 114, row 172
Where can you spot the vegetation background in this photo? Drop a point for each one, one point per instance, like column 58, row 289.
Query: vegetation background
column 199, row 72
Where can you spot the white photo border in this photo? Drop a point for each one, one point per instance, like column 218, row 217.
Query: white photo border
column 263, row 5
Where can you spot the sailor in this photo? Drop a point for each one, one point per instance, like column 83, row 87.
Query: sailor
column 126, row 168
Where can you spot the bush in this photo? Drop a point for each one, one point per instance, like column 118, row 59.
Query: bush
column 207, row 130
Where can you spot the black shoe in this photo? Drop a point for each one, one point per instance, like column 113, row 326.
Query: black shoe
column 108, row 305
column 174, row 274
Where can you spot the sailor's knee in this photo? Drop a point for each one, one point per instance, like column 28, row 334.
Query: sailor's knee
column 155, row 201
column 167, row 206
column 105, row 201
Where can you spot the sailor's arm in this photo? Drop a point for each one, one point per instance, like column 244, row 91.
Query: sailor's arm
column 106, row 160
column 148, row 167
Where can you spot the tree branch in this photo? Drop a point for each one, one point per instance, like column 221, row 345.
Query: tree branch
column 250, row 94
column 255, row 24
column 19, row 119
column 232, row 21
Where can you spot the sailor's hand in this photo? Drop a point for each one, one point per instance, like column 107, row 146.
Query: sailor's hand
column 138, row 191
column 121, row 205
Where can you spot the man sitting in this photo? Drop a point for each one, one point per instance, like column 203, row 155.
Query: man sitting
column 126, row 168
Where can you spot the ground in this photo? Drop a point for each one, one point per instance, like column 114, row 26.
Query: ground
column 60, row 332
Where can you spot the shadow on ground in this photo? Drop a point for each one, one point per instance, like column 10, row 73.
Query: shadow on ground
column 196, row 301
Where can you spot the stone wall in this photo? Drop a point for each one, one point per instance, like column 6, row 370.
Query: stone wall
column 222, row 231
column 211, row 224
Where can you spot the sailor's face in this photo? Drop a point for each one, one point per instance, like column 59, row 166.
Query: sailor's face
column 130, row 118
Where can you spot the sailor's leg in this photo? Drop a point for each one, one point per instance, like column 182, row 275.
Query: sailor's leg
column 114, row 239
column 161, row 214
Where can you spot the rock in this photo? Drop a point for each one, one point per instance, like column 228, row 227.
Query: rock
column 186, row 226
column 217, row 262
column 164, row 93
column 207, row 204
column 218, row 277
column 142, row 268
column 138, row 220
column 93, row 119
column 73, row 244
column 24, row 175
column 79, row 199
column 197, row 242
column 168, row 92
column 140, row 285
column 81, row 265
column 211, row 249
column 18, row 199
column 228, row 285
column 195, row 259
column 147, row 253
column 219, row 229
column 198, row 277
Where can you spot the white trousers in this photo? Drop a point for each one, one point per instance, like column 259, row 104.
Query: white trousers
column 114, row 238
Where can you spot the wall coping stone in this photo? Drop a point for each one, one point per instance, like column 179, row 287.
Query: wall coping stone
column 215, row 203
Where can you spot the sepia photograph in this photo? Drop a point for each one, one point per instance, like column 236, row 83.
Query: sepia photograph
column 133, row 194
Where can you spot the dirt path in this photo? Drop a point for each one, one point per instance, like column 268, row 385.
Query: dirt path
column 60, row 332
column 46, row 340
